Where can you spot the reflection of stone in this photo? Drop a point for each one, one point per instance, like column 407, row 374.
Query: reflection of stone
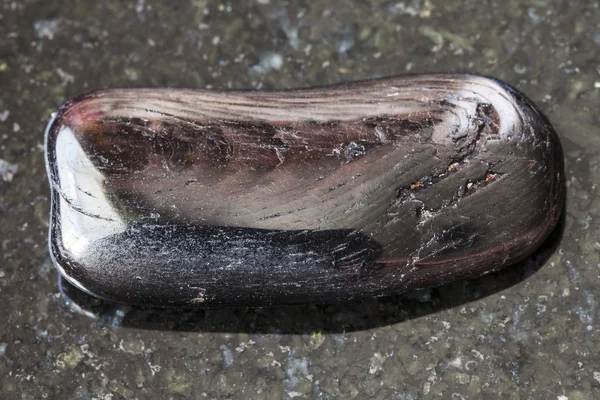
column 181, row 197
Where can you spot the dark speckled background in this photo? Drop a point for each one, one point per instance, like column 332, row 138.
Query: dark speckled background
column 529, row 332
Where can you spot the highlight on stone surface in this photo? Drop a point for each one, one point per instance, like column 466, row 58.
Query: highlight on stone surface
column 172, row 197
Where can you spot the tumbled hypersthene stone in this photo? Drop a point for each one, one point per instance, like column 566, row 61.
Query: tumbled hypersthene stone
column 190, row 197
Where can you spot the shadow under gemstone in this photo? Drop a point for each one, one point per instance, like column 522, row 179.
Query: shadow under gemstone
column 306, row 318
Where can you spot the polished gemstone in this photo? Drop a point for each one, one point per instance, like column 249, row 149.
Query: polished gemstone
column 193, row 197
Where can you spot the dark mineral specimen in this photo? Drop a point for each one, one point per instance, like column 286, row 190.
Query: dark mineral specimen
column 174, row 197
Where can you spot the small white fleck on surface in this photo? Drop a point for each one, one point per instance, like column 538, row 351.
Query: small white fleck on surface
column 376, row 363
column 7, row 170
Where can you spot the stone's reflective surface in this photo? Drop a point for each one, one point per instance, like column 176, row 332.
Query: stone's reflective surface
column 182, row 197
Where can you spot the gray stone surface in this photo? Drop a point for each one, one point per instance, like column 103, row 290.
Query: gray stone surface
column 529, row 332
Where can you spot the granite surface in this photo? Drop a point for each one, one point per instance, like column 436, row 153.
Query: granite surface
column 528, row 332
